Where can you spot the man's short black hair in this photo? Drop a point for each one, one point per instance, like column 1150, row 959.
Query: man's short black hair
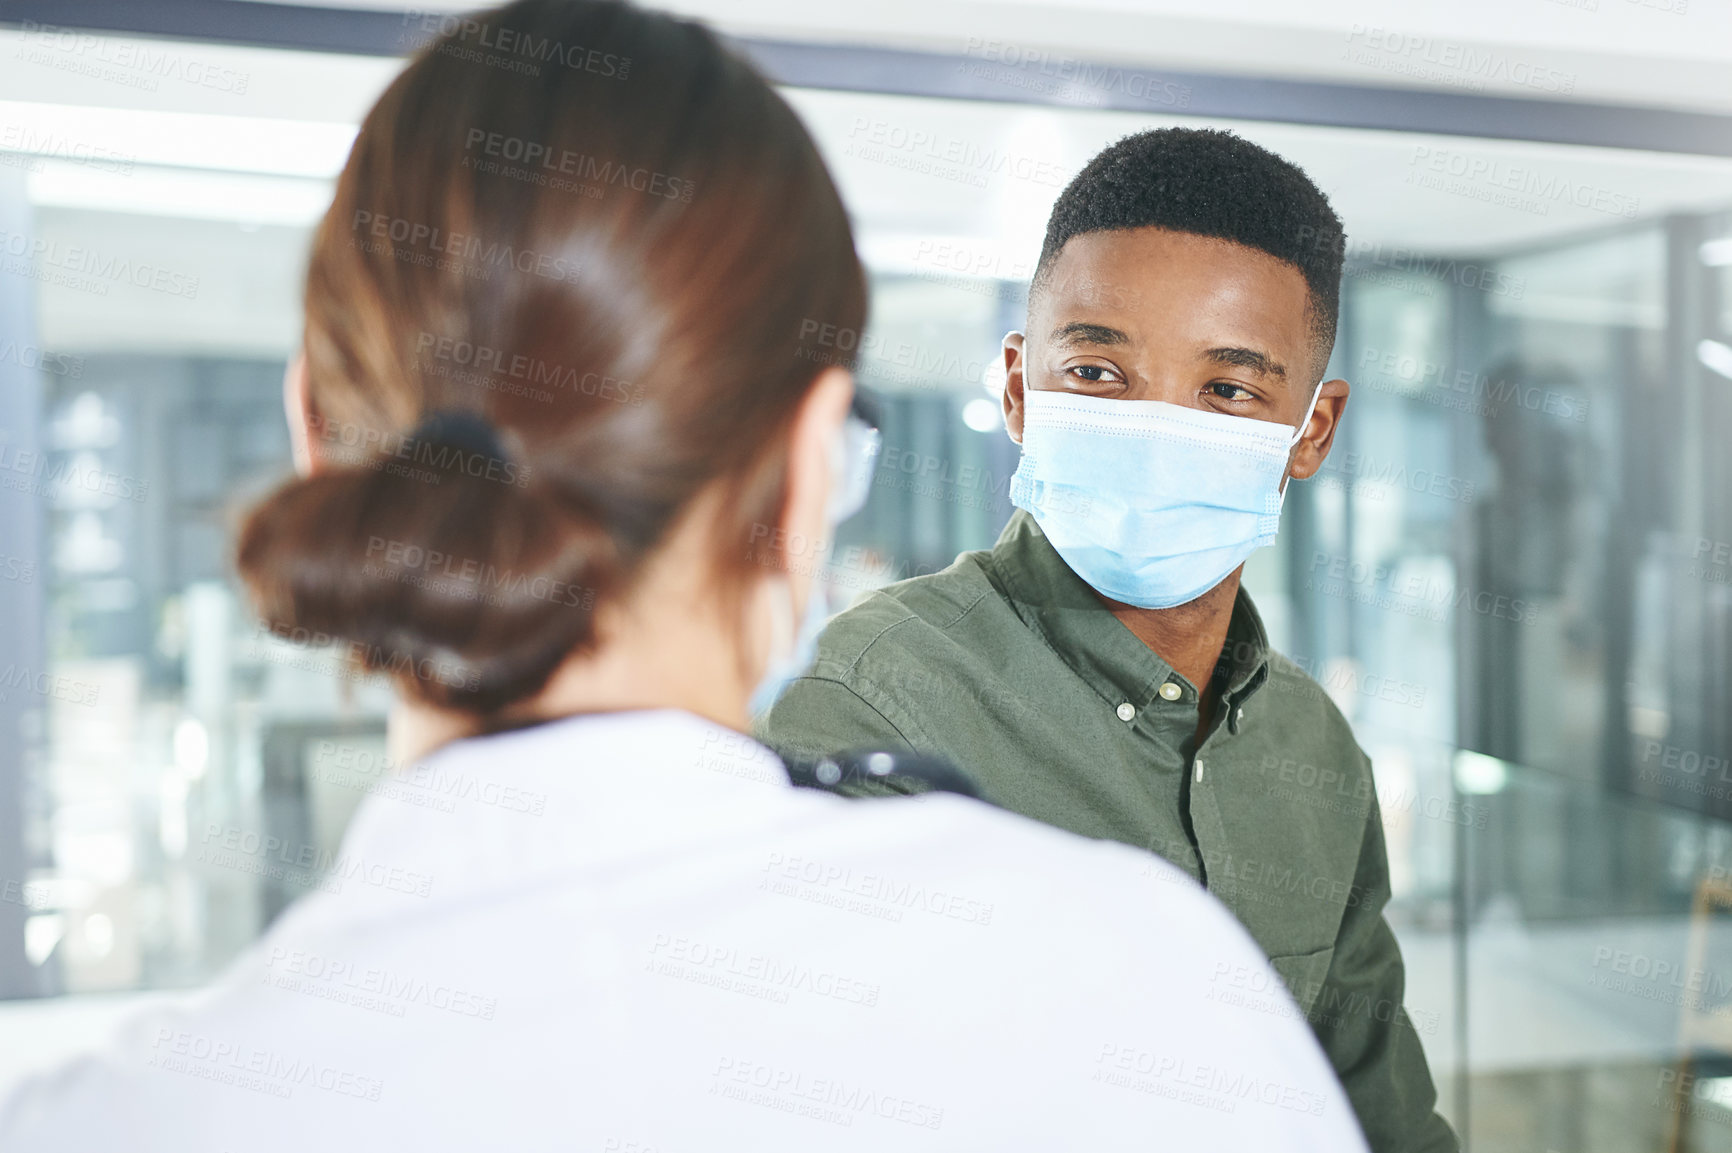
column 1210, row 183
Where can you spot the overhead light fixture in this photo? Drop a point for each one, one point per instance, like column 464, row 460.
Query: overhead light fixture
column 1716, row 253
column 117, row 140
column 981, row 415
column 242, row 197
column 1715, row 357
column 1478, row 774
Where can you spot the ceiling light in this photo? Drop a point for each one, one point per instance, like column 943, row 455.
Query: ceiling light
column 1715, row 357
column 116, row 140
column 244, row 198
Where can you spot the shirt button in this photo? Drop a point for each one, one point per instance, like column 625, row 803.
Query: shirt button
column 1171, row 691
column 1198, row 775
column 1127, row 712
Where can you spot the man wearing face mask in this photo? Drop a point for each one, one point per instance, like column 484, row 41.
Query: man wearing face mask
column 1100, row 668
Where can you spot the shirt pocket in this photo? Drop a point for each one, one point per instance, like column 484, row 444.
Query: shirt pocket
column 1303, row 974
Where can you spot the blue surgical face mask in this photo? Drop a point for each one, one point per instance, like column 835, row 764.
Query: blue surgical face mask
column 853, row 459
column 1152, row 504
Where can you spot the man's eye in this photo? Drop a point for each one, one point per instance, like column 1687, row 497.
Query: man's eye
column 1229, row 391
column 1093, row 373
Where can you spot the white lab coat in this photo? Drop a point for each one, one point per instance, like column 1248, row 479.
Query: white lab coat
column 630, row 934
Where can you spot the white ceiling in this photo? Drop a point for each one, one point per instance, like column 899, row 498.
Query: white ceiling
column 228, row 162
column 1661, row 53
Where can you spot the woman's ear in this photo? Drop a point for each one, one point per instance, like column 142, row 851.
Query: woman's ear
column 812, row 471
column 298, row 408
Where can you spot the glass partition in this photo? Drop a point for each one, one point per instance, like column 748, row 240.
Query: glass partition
column 1512, row 575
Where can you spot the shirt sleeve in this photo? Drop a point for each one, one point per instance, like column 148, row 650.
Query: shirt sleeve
column 816, row 717
column 1359, row 1019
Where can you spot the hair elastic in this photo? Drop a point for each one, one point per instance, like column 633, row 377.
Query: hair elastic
column 460, row 428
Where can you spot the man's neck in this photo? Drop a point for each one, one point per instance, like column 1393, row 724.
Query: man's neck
column 1189, row 637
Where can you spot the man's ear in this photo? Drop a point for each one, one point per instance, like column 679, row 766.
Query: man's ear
column 1015, row 345
column 1313, row 447
column 298, row 409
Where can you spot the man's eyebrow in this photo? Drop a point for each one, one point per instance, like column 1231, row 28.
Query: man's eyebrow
column 1079, row 332
column 1247, row 358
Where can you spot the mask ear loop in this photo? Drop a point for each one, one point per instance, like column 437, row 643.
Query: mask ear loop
column 1281, row 499
column 1309, row 412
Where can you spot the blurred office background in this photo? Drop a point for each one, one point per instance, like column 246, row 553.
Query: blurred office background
column 1514, row 575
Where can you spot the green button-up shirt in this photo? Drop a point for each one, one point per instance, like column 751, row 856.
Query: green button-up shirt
column 1008, row 665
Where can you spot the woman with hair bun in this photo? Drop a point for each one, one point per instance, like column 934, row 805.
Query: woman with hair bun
column 571, row 434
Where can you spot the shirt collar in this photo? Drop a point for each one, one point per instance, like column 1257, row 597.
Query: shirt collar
column 578, row 792
column 1066, row 613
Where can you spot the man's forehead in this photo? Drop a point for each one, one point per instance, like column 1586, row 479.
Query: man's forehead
column 1106, row 288
column 1122, row 257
